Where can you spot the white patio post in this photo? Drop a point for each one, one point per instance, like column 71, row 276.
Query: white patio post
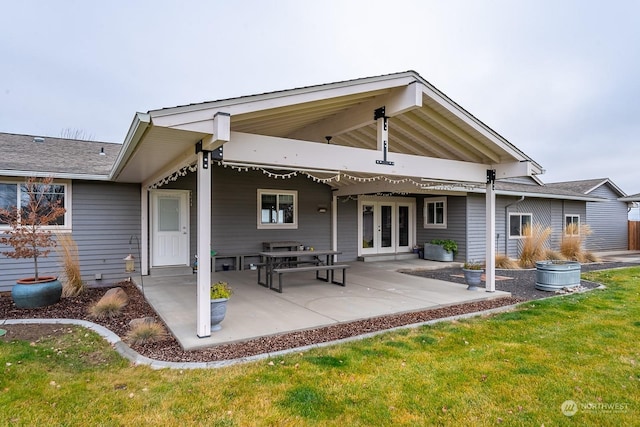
column 490, row 257
column 334, row 225
column 221, row 134
column 203, row 309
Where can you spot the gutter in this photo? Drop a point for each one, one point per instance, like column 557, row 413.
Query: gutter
column 139, row 126
column 55, row 175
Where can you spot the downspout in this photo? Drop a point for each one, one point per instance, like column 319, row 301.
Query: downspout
column 506, row 224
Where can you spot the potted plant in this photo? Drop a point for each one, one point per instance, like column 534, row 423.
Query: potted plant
column 440, row 250
column 220, row 294
column 472, row 274
column 28, row 238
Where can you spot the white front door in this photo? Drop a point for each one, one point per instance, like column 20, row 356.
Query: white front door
column 170, row 228
column 386, row 225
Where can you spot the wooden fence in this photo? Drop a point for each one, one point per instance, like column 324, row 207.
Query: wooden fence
column 634, row 235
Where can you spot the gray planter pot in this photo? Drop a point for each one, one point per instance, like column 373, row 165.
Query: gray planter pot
column 473, row 278
column 555, row 275
column 218, row 311
column 437, row 253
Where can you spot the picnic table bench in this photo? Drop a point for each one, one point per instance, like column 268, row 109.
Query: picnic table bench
column 329, row 276
column 283, row 262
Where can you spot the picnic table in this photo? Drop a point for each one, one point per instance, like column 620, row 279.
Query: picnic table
column 274, row 246
column 283, row 262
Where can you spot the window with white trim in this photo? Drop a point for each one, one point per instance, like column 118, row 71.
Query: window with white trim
column 519, row 225
column 435, row 212
column 572, row 225
column 277, row 209
column 13, row 194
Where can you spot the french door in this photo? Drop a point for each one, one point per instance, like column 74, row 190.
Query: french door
column 386, row 225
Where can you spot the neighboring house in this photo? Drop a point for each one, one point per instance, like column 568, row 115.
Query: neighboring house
column 369, row 167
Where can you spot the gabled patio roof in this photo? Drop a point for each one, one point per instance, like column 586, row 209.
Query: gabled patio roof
column 423, row 123
column 395, row 129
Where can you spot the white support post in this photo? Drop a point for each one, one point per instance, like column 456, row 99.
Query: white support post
column 490, row 257
column 334, row 225
column 203, row 309
column 144, row 232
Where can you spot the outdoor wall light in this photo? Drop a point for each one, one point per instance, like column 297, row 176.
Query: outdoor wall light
column 129, row 264
column 322, row 209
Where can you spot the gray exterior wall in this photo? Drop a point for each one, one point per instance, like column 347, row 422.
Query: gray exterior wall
column 456, row 224
column 348, row 229
column 608, row 221
column 546, row 212
column 104, row 217
column 234, row 208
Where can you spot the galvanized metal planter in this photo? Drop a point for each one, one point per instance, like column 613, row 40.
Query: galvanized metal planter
column 554, row 275
column 436, row 253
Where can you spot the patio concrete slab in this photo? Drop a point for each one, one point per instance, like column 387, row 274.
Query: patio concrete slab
column 373, row 289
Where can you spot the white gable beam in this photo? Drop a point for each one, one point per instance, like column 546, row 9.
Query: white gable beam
column 221, row 132
column 266, row 150
column 513, row 169
column 397, row 102
column 190, row 117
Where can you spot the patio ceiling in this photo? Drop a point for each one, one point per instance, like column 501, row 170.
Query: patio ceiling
column 422, row 122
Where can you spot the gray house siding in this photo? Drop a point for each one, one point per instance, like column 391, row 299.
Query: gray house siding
column 348, row 229
column 456, row 224
column 104, row 217
column 545, row 212
column 476, row 226
column 608, row 221
column 234, row 210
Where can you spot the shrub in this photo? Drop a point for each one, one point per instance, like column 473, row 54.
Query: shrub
column 109, row 306
column 552, row 254
column 504, row 262
column 534, row 245
column 220, row 290
column 68, row 250
column 473, row 265
column 146, row 332
column 572, row 242
column 447, row 244
column 591, row 257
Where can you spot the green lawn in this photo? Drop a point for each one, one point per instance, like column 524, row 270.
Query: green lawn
column 515, row 368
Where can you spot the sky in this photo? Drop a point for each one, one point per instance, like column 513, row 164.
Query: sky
column 558, row 79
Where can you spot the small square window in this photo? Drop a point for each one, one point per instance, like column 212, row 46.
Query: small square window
column 435, row 212
column 519, row 225
column 277, row 209
column 572, row 225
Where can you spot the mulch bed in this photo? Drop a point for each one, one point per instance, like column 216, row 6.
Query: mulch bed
column 520, row 283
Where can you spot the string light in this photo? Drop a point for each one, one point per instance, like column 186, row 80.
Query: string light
column 174, row 176
column 434, row 186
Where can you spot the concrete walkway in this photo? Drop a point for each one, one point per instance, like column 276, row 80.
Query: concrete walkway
column 373, row 289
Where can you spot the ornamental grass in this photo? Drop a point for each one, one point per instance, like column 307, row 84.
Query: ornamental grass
column 67, row 248
column 534, row 245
